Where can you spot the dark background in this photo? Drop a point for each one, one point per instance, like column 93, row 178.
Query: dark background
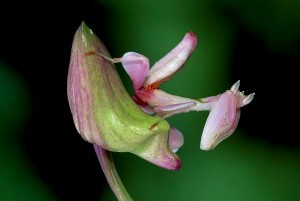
column 43, row 158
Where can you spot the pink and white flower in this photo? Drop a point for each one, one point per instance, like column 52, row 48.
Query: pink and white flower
column 224, row 108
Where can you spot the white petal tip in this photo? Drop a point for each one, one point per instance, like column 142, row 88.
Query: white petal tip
column 235, row 87
column 206, row 147
column 175, row 150
column 248, row 99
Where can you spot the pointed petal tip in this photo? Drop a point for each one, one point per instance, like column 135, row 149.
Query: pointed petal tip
column 248, row 99
column 169, row 161
column 176, row 165
column 84, row 28
column 87, row 39
column 83, row 24
column 175, row 150
column 235, row 87
column 85, row 32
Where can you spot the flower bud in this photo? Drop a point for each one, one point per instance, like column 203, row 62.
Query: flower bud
column 104, row 113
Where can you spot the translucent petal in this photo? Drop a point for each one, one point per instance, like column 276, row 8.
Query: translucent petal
column 169, row 110
column 176, row 139
column 146, row 109
column 136, row 66
column 220, row 120
column 232, row 128
column 235, row 87
column 248, row 99
column 166, row 67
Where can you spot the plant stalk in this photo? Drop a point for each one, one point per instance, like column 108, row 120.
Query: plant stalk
column 111, row 174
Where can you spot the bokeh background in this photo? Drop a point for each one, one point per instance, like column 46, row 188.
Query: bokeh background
column 43, row 158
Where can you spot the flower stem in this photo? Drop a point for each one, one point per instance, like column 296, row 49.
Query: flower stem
column 111, row 174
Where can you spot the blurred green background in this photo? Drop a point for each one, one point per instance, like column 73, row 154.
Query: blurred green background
column 258, row 42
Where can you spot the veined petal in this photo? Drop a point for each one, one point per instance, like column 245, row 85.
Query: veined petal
column 232, row 128
column 220, row 121
column 176, row 139
column 104, row 113
column 166, row 67
column 169, row 110
column 136, row 66
column 166, row 105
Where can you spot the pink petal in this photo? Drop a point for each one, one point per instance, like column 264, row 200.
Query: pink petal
column 158, row 97
column 210, row 99
column 136, row 66
column 220, row 121
column 176, row 139
column 164, row 104
column 169, row 110
column 143, row 105
column 166, row 67
column 232, row 128
column 146, row 109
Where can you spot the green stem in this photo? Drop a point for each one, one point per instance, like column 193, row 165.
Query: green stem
column 111, row 174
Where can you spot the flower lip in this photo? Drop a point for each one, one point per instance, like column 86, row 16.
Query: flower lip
column 224, row 117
